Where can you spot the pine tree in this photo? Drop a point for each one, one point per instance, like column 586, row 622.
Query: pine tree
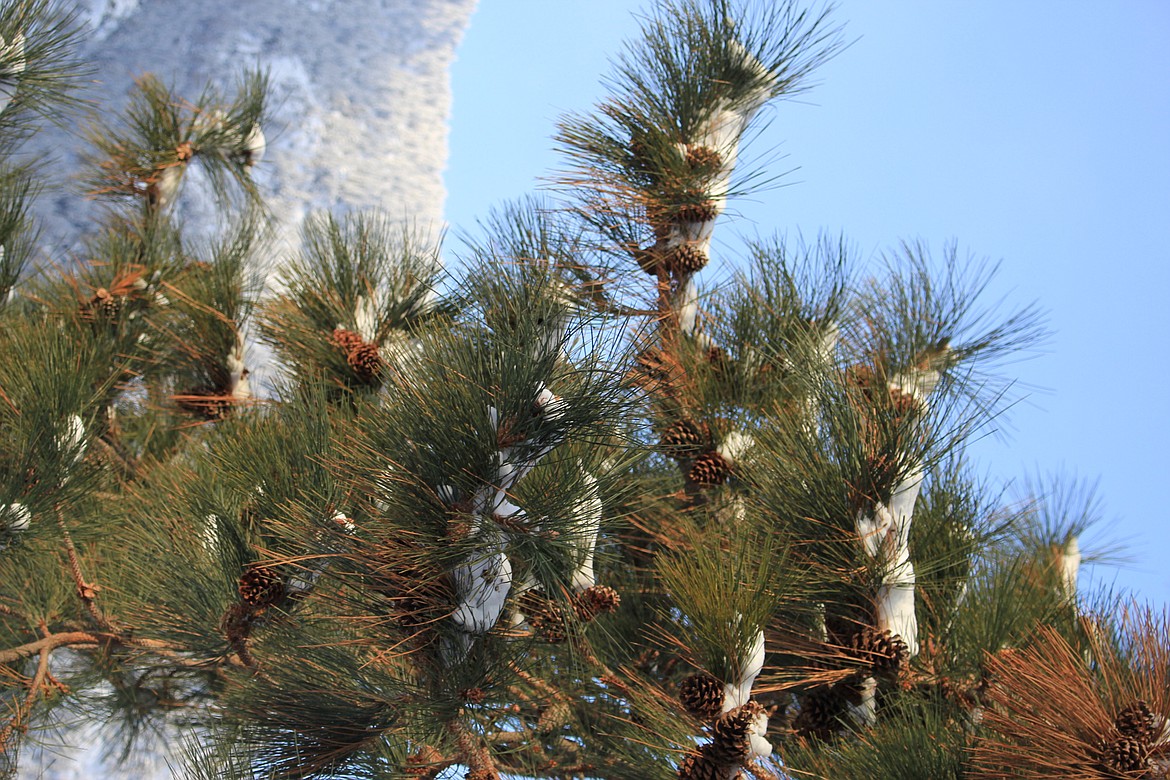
column 576, row 506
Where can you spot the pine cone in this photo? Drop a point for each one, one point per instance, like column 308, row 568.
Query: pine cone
column 884, row 652
column 482, row 773
column 472, row 695
column 869, row 382
column 508, row 432
column 729, row 735
column 1126, row 755
column 236, row 625
column 709, row 469
column 103, row 305
column 423, row 762
column 683, row 439
column 209, row 403
column 703, row 159
column 820, row 713
column 700, row 766
column 699, row 211
column 366, row 362
column 686, row 259
column 545, row 617
column 347, row 340
column 458, row 525
column 595, row 600
column 418, row 594
column 1137, row 721
column 903, row 403
column 260, row 586
column 702, row 696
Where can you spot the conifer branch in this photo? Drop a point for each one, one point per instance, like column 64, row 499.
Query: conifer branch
column 22, row 710
column 50, row 643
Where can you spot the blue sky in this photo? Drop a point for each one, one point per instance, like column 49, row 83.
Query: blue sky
column 1034, row 133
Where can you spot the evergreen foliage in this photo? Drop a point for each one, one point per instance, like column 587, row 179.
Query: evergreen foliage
column 575, row 507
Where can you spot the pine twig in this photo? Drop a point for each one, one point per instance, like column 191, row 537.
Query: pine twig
column 86, row 591
column 78, row 639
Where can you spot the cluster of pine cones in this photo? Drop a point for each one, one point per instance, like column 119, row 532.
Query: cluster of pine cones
column 687, row 440
column 547, row 617
column 874, row 653
column 701, row 695
column 1139, row 730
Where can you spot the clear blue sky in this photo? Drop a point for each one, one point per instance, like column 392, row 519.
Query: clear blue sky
column 1036, row 133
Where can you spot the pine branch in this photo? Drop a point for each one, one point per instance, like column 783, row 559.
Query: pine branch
column 22, row 710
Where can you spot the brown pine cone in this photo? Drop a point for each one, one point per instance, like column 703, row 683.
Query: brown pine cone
column 215, row 409
column 1137, row 721
column 210, row 404
column 482, row 773
column 903, row 403
column 508, row 433
column 595, row 600
column 863, row 377
column 703, row 159
column 709, row 469
column 236, row 625
column 820, row 713
column 698, row 211
column 416, row 608
column 729, row 735
column 869, row 381
column 458, row 525
column 423, row 762
column 260, row 586
column 683, row 439
column 700, row 766
column 885, row 653
column 702, row 696
column 103, row 305
column 545, row 617
column 366, row 362
column 548, row 628
column 651, row 368
column 1126, row 755
column 346, row 339
column 472, row 695
column 686, row 258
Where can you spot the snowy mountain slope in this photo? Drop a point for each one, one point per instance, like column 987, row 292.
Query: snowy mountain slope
column 358, row 118
column 360, row 93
